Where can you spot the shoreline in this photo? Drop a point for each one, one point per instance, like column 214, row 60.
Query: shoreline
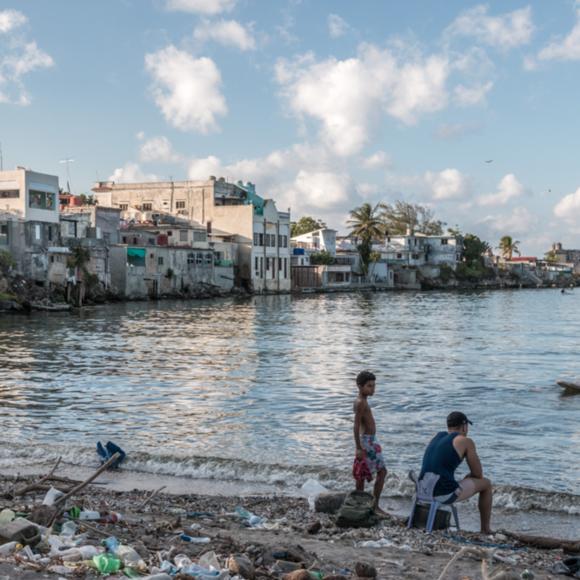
column 333, row 551
column 14, row 307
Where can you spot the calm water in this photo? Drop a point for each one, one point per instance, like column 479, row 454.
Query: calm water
column 262, row 389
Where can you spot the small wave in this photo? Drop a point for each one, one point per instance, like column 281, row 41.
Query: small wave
column 286, row 476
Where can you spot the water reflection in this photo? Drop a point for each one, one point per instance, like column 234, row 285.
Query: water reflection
column 271, row 379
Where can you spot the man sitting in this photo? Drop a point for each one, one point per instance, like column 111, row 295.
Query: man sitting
column 443, row 456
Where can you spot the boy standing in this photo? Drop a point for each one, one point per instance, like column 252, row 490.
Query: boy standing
column 369, row 457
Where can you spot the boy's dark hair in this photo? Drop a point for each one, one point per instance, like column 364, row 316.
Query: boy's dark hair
column 364, row 377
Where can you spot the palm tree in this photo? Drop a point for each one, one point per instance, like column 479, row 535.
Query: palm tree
column 365, row 224
column 508, row 247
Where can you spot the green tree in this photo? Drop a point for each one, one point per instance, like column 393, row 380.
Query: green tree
column 401, row 215
column 508, row 247
column 322, row 258
column 305, row 225
column 474, row 249
column 365, row 225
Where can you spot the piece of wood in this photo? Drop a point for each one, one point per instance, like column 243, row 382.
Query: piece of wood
column 34, row 485
column 570, row 388
column 61, row 500
column 84, row 524
column 144, row 503
column 543, row 543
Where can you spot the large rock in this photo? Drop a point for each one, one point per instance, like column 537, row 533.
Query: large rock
column 242, row 566
column 329, row 503
column 298, row 575
column 364, row 570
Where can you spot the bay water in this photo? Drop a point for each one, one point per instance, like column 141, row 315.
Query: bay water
column 259, row 391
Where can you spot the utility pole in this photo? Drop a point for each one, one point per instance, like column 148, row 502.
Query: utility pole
column 67, row 162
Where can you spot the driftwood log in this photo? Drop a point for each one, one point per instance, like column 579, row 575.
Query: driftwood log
column 38, row 484
column 542, row 543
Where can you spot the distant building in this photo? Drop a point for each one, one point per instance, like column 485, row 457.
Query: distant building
column 260, row 231
column 29, row 219
column 560, row 255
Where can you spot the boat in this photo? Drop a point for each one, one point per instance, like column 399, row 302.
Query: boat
column 570, row 388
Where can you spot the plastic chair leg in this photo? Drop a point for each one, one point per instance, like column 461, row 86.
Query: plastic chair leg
column 412, row 514
column 455, row 516
column 431, row 518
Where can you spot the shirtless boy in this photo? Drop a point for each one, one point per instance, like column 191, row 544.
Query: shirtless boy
column 368, row 451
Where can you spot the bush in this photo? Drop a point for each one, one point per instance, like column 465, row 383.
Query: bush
column 6, row 260
column 446, row 273
column 323, row 258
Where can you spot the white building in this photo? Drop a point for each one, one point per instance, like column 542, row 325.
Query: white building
column 260, row 232
column 323, row 240
column 29, row 219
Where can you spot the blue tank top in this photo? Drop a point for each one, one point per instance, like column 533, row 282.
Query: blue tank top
column 442, row 458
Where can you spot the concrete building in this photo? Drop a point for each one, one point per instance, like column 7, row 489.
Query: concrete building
column 99, row 223
column 261, row 232
column 29, row 219
column 322, row 240
column 560, row 255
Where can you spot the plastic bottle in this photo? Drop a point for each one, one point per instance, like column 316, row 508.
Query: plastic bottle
column 112, row 544
column 106, row 564
column 68, row 529
column 130, row 557
column 194, row 539
column 9, row 548
column 89, row 515
column 110, row 518
column 6, row 516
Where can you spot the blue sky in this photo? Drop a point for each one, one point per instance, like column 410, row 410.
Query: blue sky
column 324, row 104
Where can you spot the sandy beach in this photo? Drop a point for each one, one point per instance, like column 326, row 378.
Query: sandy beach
column 292, row 538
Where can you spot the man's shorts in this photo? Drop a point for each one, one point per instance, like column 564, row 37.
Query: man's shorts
column 465, row 490
column 373, row 453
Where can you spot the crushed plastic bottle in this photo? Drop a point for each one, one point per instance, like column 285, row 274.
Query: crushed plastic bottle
column 112, row 544
column 106, row 564
column 68, row 529
column 51, row 496
column 130, row 557
column 9, row 548
column 249, row 518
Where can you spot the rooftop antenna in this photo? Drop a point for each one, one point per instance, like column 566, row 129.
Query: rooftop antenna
column 67, row 162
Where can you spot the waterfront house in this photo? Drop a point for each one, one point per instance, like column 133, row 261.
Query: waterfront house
column 262, row 233
column 568, row 257
column 29, row 220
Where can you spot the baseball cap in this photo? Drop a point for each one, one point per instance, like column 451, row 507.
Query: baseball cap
column 456, row 419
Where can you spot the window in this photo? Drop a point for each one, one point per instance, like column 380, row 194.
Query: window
column 150, row 241
column 444, row 241
column 260, row 239
column 273, row 268
column 3, row 234
column 41, row 199
column 399, row 256
column 208, row 259
column 135, row 241
column 256, row 239
column 124, row 239
column 183, row 235
column 123, row 206
column 191, row 258
column 267, row 240
column 199, row 258
column 415, row 256
column 147, row 207
column 285, row 267
column 169, row 233
column 199, row 236
column 261, row 267
column 257, row 265
column 182, row 212
column 49, row 230
column 267, row 264
column 136, row 256
column 279, row 264
column 180, row 205
column 9, row 194
column 160, row 261
column 273, row 240
column 37, row 232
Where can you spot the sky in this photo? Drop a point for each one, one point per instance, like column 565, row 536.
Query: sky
column 469, row 108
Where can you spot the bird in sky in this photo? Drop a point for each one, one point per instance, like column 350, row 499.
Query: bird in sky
column 489, row 160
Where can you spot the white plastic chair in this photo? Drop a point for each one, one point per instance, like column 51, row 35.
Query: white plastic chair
column 424, row 496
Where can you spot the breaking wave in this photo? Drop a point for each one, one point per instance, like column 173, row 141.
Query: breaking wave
column 288, row 478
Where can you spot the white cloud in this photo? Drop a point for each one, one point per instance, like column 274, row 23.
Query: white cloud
column 377, row 160
column 505, row 31
column 470, row 96
column 201, row 169
column 131, row 173
column 519, row 221
column 319, row 190
column 568, row 208
column 17, row 60
column 567, row 48
column 226, row 32
column 186, row 89
column 508, row 188
column 447, row 184
column 456, row 130
column 337, row 26
column 158, row 149
column 11, row 19
column 376, row 79
column 209, row 7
